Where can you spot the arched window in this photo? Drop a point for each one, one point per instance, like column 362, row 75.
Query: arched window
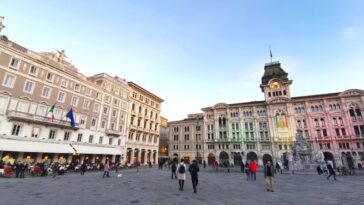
column 317, row 123
column 320, row 108
column 330, row 107
column 316, row 108
column 322, row 122
column 334, row 107
column 338, row 106
column 312, row 109
column 284, row 92
column 280, row 93
column 296, row 110
column 269, row 95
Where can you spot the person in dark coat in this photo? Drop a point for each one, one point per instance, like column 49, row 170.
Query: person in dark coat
column 331, row 171
column 269, row 176
column 319, row 170
column 17, row 169
column 174, row 169
column 83, row 168
column 194, row 169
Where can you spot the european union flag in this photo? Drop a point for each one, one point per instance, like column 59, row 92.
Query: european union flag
column 71, row 116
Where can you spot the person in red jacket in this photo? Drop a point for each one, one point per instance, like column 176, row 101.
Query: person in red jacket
column 253, row 170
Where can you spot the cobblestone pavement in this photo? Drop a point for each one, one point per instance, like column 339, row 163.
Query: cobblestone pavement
column 152, row 186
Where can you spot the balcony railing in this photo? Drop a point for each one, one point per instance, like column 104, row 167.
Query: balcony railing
column 111, row 132
column 41, row 120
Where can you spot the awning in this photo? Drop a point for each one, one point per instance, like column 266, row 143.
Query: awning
column 84, row 149
column 14, row 145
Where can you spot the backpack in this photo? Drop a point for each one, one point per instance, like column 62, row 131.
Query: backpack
column 182, row 169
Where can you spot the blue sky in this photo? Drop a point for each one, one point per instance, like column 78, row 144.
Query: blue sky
column 195, row 54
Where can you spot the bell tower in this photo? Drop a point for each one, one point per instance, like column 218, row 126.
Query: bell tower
column 275, row 83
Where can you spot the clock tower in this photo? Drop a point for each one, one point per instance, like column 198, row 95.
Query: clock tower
column 275, row 83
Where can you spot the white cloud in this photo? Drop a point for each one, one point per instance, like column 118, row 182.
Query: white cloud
column 349, row 33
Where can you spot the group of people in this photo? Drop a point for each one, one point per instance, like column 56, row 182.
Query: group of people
column 179, row 172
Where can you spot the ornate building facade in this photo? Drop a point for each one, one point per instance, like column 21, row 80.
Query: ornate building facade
column 142, row 144
column 265, row 130
column 37, row 91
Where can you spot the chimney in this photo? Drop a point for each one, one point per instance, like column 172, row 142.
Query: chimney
column 1, row 23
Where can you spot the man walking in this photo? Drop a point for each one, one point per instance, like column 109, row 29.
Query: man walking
column 174, row 168
column 181, row 175
column 331, row 171
column 106, row 169
column 253, row 170
column 194, row 169
column 269, row 176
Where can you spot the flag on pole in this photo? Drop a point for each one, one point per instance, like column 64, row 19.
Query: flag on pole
column 51, row 110
column 271, row 55
column 71, row 116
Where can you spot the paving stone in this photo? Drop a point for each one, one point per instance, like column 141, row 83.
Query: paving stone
column 152, row 186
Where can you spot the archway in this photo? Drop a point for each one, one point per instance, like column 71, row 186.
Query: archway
column 211, row 158
column 329, row 158
column 136, row 155
column 128, row 155
column 186, row 159
column 251, row 156
column 154, row 156
column 224, row 157
column 198, row 158
column 237, row 159
column 175, row 158
column 267, row 157
column 142, row 159
column 149, row 153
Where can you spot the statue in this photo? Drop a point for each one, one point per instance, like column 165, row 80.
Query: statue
column 301, row 149
column 61, row 55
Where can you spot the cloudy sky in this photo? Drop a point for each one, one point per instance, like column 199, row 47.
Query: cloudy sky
column 195, row 54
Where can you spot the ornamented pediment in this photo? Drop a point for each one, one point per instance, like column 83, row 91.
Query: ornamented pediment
column 220, row 106
column 352, row 92
column 279, row 100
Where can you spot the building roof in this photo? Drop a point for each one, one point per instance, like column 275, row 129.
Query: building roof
column 132, row 84
column 274, row 70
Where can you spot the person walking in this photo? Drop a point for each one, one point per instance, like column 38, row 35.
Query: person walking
column 331, row 171
column 106, row 169
column 17, row 169
column 55, row 169
column 23, row 167
column 278, row 167
column 247, row 171
column 204, row 164
column 194, row 169
column 83, row 168
column 181, row 174
column 253, row 170
column 269, row 176
column 174, row 168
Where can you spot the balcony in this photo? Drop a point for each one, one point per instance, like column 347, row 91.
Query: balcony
column 41, row 120
column 111, row 132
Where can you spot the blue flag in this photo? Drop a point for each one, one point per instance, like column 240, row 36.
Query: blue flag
column 71, row 116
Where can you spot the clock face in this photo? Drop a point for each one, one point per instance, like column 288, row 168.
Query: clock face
column 275, row 85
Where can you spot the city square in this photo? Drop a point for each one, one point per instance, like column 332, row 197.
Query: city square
column 153, row 186
column 210, row 89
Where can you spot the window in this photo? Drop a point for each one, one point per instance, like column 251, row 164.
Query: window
column 50, row 77
column 61, row 97
column 77, row 87
column 100, row 140
column 16, row 129
column 28, row 86
column 79, row 137
column 98, row 96
column 93, row 122
column 88, row 91
column 114, row 113
column 96, row 107
column 33, row 71
column 52, row 134
column 9, row 80
column 90, row 138
column 35, row 132
column 119, row 142
column 103, row 124
column 46, row 92
column 63, row 83
column 105, row 110
column 66, row 136
column 86, row 104
column 74, row 101
column 14, row 63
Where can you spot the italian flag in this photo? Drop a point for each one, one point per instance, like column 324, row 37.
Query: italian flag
column 51, row 110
